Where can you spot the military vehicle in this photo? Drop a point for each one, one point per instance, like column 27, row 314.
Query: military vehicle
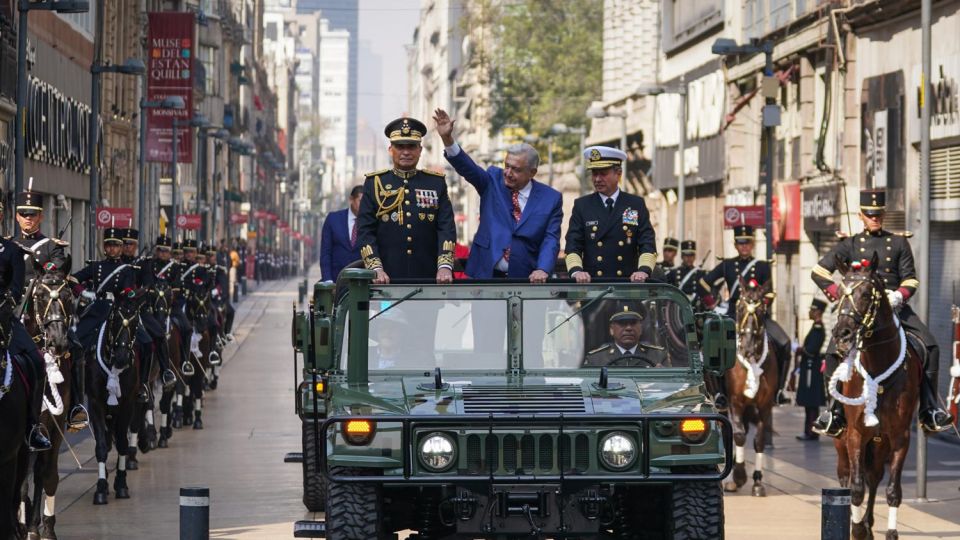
column 510, row 410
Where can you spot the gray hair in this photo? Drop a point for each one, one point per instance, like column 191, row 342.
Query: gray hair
column 530, row 155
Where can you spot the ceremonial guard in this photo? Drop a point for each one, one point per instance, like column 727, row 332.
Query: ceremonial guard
column 609, row 234
column 686, row 276
column 49, row 253
column 745, row 267
column 627, row 344
column 149, row 329
column 664, row 269
column 809, row 377
column 221, row 280
column 405, row 224
column 160, row 268
column 899, row 275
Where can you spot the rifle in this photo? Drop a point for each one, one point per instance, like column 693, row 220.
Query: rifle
column 64, row 229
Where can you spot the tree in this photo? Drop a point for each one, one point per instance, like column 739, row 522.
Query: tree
column 547, row 62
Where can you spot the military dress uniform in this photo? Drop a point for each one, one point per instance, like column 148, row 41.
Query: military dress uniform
column 687, row 277
column 609, row 237
column 405, row 223
column 896, row 268
column 49, row 253
column 664, row 270
column 609, row 352
column 221, row 281
column 810, row 394
column 108, row 279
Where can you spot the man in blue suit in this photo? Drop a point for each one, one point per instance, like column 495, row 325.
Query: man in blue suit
column 338, row 244
column 519, row 234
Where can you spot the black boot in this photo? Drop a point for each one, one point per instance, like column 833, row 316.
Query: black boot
column 78, row 418
column 832, row 421
column 37, row 439
column 197, row 423
column 933, row 419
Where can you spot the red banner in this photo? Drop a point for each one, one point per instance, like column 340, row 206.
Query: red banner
column 260, row 214
column 238, row 218
column 189, row 221
column 114, row 217
column 743, row 215
column 169, row 73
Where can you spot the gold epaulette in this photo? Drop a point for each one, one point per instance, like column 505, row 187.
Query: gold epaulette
column 906, row 234
column 652, row 346
column 433, row 172
column 60, row 242
column 375, row 173
column 841, row 235
column 600, row 348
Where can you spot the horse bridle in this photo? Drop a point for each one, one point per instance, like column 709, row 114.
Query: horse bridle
column 53, row 295
column 752, row 309
column 127, row 324
column 866, row 319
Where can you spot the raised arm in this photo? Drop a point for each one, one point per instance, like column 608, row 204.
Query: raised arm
column 461, row 162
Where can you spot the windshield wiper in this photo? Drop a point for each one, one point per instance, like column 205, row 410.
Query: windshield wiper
column 406, row 297
column 583, row 307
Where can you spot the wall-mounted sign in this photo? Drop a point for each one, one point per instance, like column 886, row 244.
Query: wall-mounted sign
column 170, row 73
column 189, row 221
column 943, row 97
column 57, row 128
column 821, row 208
column 743, row 215
column 114, row 217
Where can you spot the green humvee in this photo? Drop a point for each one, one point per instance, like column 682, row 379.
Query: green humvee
column 502, row 410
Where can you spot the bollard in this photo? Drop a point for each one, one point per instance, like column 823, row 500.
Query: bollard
column 835, row 514
column 194, row 513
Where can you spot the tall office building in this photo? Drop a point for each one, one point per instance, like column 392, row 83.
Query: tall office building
column 343, row 15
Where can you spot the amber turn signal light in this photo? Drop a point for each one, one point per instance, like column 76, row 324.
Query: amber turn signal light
column 358, row 432
column 694, row 430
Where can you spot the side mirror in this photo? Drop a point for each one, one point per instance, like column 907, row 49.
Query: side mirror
column 719, row 345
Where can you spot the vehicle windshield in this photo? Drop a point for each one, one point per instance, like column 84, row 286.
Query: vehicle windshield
column 560, row 330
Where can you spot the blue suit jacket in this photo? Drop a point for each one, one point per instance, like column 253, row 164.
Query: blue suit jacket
column 335, row 250
column 534, row 242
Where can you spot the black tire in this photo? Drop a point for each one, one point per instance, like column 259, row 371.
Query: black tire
column 314, row 483
column 697, row 511
column 355, row 509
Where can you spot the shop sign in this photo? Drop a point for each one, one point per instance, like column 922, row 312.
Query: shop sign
column 943, row 97
column 57, row 128
column 821, row 208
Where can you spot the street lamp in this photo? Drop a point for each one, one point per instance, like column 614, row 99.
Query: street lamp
column 681, row 144
column 196, row 121
column 771, row 119
column 171, row 102
column 132, row 66
column 24, row 7
column 597, row 111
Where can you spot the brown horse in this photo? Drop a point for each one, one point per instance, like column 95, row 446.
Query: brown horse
column 48, row 316
column 869, row 336
column 752, row 383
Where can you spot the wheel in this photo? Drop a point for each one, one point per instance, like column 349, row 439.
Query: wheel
column 697, row 510
column 314, row 483
column 355, row 511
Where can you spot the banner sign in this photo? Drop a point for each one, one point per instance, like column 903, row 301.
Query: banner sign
column 743, row 215
column 189, row 221
column 238, row 218
column 114, row 217
column 169, row 73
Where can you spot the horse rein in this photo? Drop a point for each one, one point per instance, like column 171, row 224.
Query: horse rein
column 54, row 296
column 865, row 320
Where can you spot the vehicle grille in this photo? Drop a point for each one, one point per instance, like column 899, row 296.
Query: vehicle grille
column 503, row 399
column 527, row 454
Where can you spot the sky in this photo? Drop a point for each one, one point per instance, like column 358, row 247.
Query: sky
column 386, row 28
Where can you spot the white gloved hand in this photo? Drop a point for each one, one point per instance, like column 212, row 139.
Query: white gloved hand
column 955, row 370
column 895, row 298
column 89, row 295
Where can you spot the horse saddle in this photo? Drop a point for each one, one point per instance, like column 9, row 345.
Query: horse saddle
column 916, row 343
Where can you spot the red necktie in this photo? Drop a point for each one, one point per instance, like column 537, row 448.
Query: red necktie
column 353, row 234
column 516, row 206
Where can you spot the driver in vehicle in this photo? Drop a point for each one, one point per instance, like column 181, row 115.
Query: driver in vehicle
column 625, row 329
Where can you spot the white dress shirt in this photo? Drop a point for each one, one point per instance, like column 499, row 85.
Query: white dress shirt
column 351, row 219
column 627, row 351
column 603, row 198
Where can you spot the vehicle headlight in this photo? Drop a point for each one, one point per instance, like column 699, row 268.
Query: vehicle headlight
column 618, row 450
column 437, row 452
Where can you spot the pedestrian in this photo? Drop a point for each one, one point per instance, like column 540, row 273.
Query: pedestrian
column 899, row 275
column 520, row 218
column 809, row 375
column 745, row 268
column 609, row 233
column 406, row 227
column 339, row 238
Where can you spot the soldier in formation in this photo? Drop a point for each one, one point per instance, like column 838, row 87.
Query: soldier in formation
column 687, row 276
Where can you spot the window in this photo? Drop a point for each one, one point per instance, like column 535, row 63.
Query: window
column 208, row 57
column 82, row 22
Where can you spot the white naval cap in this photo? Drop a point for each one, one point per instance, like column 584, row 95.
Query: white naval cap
column 602, row 157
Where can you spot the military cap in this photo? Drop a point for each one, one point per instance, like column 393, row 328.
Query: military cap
column 603, row 157
column 671, row 243
column 131, row 235
column 177, row 247
column 113, row 235
column 29, row 202
column 688, row 247
column 873, row 201
column 818, row 304
column 743, row 234
column 190, row 244
column 405, row 130
column 627, row 314
column 210, row 249
column 164, row 242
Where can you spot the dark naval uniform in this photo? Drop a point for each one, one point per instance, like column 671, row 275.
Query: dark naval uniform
column 895, row 266
column 610, row 236
column 810, row 393
column 405, row 224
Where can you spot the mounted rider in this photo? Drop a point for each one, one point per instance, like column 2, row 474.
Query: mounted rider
column 159, row 268
column 221, row 282
column 50, row 253
column 746, row 268
column 149, row 330
column 899, row 275
column 21, row 346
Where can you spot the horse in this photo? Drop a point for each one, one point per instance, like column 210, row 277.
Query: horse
column 198, row 309
column 14, row 401
column 161, row 301
column 111, row 390
column 48, row 315
column 883, row 370
column 752, row 383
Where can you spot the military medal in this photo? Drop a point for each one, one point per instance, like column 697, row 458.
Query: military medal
column 423, row 216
